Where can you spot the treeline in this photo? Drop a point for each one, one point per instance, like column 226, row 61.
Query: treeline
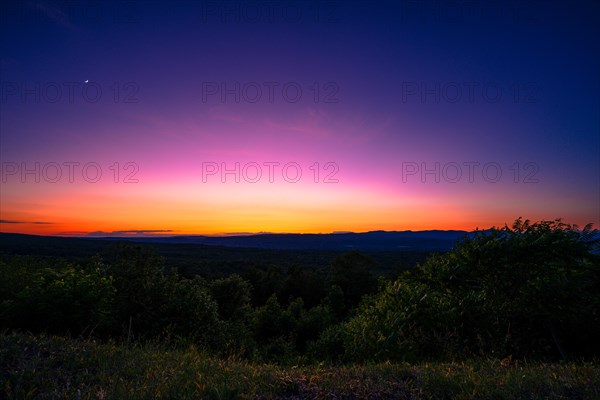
column 131, row 296
column 530, row 290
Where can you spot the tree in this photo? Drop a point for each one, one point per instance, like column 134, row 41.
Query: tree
column 55, row 296
column 352, row 273
column 304, row 283
column 152, row 302
column 233, row 295
column 529, row 289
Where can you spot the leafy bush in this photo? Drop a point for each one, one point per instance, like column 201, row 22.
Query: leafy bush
column 529, row 290
column 406, row 320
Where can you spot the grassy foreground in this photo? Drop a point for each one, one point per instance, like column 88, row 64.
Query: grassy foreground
column 53, row 367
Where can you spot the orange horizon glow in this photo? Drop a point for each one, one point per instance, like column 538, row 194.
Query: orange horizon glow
column 187, row 206
column 132, row 225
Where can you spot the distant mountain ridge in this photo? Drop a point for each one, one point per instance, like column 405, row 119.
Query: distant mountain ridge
column 431, row 240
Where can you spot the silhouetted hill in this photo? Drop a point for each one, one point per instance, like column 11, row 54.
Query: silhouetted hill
column 54, row 246
column 434, row 240
column 218, row 256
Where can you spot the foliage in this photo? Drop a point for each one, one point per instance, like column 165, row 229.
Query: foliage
column 233, row 295
column 529, row 290
column 303, row 283
column 351, row 272
column 56, row 298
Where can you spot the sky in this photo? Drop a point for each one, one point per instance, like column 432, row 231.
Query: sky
column 210, row 117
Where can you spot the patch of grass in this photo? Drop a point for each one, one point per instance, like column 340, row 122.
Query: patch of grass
column 49, row 367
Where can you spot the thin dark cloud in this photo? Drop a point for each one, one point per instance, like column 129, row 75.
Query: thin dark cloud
column 8, row 221
column 71, row 233
column 127, row 233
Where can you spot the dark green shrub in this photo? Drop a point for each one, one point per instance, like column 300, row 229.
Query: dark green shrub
column 529, row 290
